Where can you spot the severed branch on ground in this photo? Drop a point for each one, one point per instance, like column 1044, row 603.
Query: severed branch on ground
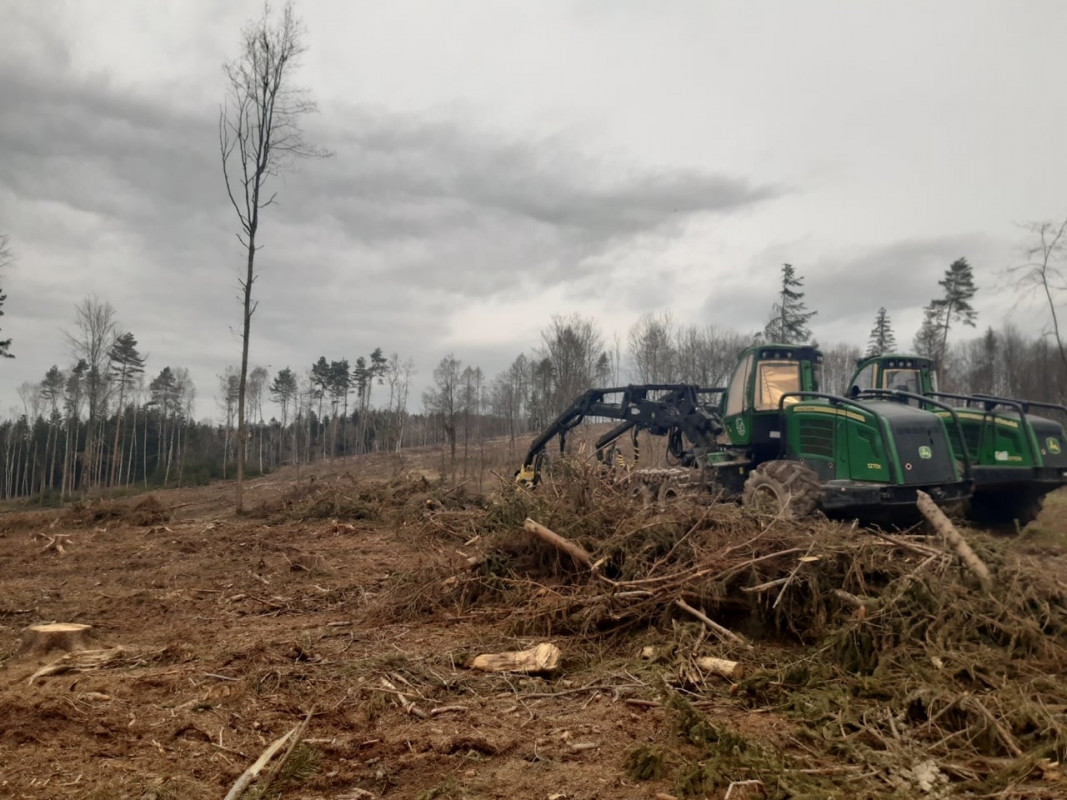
column 292, row 738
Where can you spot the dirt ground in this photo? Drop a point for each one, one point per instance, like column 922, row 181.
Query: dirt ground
column 221, row 633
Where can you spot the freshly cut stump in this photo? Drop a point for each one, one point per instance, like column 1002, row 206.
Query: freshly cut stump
column 65, row 636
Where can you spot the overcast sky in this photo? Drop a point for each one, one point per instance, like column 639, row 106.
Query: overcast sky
column 496, row 163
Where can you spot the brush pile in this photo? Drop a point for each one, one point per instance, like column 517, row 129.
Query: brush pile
column 883, row 648
column 144, row 512
column 400, row 500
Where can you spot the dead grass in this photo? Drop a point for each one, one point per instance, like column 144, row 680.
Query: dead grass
column 873, row 666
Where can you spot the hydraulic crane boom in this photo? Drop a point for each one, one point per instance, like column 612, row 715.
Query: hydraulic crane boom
column 663, row 409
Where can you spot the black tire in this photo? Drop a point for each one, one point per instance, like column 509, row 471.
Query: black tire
column 785, row 489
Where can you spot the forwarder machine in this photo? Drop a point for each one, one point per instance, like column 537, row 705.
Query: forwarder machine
column 774, row 440
column 1016, row 457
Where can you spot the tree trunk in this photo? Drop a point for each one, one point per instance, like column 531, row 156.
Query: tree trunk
column 245, row 332
column 144, row 450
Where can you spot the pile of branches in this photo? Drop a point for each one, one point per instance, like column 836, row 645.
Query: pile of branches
column 345, row 498
column 883, row 646
column 90, row 513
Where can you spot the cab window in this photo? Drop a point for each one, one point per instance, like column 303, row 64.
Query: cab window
column 903, row 380
column 735, row 395
column 865, row 379
column 774, row 379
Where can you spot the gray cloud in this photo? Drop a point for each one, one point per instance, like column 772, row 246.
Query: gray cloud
column 899, row 276
column 121, row 195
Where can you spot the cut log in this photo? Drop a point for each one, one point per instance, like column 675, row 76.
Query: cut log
column 731, row 670
column 570, row 548
column 944, row 527
column 65, row 636
column 540, row 658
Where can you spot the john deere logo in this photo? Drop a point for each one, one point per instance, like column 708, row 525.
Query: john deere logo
column 1053, row 445
column 925, row 452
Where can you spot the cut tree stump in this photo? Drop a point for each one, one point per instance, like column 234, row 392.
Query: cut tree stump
column 541, row 658
column 65, row 636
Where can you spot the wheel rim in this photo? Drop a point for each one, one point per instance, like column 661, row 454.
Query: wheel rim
column 767, row 501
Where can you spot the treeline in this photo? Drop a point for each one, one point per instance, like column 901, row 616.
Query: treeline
column 102, row 424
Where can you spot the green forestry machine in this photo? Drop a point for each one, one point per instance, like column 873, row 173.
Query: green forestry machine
column 1016, row 457
column 773, row 439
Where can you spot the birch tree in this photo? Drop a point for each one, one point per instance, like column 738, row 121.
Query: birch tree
column 259, row 138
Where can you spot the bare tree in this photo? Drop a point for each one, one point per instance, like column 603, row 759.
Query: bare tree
column 510, row 395
column 442, row 400
column 652, row 350
column 839, row 361
column 5, row 260
column 398, row 377
column 257, row 380
column 706, row 356
column 1042, row 271
column 574, row 349
column 259, row 138
column 92, row 343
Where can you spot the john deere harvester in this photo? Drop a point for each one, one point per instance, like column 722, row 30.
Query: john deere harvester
column 1016, row 457
column 773, row 438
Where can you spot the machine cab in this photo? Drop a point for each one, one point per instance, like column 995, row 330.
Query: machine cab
column 763, row 375
column 913, row 374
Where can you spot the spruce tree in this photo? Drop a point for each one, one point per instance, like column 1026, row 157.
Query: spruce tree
column 881, row 340
column 789, row 323
column 928, row 337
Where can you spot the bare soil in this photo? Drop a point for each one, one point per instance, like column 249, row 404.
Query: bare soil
column 233, row 630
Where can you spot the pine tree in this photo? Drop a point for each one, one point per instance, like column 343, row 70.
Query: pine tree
column 954, row 305
column 789, row 323
column 881, row 340
column 125, row 364
column 283, row 391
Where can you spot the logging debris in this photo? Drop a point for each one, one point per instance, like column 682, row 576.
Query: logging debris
column 901, row 645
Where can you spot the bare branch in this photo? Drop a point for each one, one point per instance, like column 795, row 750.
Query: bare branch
column 1040, row 272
